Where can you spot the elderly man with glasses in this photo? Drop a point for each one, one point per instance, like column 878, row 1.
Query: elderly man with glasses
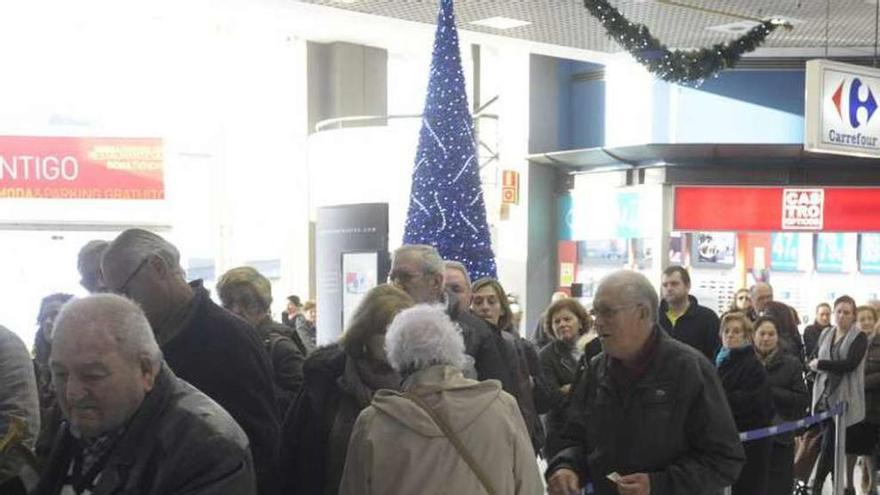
column 209, row 347
column 649, row 414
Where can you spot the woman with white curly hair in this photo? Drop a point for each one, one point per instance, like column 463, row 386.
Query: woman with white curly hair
column 442, row 433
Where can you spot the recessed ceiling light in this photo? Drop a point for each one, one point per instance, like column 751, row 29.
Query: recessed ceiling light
column 501, row 22
column 347, row 2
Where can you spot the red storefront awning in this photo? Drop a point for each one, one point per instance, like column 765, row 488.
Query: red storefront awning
column 745, row 209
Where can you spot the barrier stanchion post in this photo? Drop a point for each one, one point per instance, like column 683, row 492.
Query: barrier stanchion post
column 840, row 451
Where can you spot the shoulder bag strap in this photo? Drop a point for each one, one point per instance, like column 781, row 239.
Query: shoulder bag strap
column 455, row 441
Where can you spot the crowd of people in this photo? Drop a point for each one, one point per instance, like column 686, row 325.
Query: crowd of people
column 147, row 386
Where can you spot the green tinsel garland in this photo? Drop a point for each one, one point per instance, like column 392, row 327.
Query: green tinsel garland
column 676, row 66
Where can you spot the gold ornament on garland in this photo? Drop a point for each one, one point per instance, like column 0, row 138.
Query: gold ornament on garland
column 679, row 66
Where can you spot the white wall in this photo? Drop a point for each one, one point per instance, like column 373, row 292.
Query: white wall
column 223, row 86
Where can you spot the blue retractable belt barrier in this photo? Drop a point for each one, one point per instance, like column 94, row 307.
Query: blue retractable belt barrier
column 746, row 436
column 779, row 429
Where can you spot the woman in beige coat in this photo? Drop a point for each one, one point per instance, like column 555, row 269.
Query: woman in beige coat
column 398, row 445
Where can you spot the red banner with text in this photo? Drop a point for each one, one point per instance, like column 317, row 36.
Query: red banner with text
column 777, row 209
column 81, row 168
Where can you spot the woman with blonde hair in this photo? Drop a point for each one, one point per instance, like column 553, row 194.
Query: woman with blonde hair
column 340, row 381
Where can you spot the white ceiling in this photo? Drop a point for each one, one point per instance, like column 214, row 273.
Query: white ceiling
column 678, row 23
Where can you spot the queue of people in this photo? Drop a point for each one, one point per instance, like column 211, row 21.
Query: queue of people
column 149, row 387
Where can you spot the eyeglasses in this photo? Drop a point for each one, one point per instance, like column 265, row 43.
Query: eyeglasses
column 608, row 312
column 123, row 291
column 398, row 277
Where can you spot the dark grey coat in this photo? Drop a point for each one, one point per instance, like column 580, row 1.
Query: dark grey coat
column 673, row 423
column 178, row 442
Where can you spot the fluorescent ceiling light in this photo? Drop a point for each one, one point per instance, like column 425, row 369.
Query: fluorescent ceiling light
column 501, row 22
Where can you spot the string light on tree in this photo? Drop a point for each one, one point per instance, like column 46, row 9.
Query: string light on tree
column 446, row 206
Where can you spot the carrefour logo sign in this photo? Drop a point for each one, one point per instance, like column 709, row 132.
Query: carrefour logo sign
column 842, row 109
column 858, row 111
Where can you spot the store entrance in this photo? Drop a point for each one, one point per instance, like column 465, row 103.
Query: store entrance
column 34, row 264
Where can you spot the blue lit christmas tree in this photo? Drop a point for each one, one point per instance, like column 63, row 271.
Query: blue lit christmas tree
column 446, row 207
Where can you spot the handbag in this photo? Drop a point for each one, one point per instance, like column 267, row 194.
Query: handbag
column 455, row 441
column 806, row 452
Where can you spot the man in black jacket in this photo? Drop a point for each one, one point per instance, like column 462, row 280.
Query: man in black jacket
column 648, row 415
column 209, row 347
column 131, row 425
column 421, row 272
column 683, row 318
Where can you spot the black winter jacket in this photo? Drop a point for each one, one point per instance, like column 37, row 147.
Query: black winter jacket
column 811, row 340
column 748, row 392
column 530, row 387
column 872, row 381
column 223, row 356
column 480, row 344
column 178, row 442
column 788, row 390
column 319, row 423
column 674, row 424
column 560, row 369
column 287, row 357
column 698, row 327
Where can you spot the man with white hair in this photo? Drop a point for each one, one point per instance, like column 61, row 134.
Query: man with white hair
column 649, row 414
column 761, row 294
column 419, row 271
column 132, row 425
column 209, row 347
column 442, row 430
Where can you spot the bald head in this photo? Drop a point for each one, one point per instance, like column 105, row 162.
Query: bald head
column 104, row 362
column 625, row 307
column 761, row 294
column 635, row 289
column 112, row 317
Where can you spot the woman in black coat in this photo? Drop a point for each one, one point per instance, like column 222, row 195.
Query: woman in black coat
column 489, row 301
column 790, row 400
column 748, row 393
column 573, row 342
column 340, row 380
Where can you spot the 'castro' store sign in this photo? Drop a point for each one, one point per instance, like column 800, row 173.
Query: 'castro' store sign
column 841, row 109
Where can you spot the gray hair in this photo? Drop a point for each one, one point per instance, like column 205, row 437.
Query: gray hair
column 431, row 261
column 135, row 245
column 91, row 253
column 423, row 336
column 118, row 316
column 755, row 287
column 636, row 288
column 458, row 265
